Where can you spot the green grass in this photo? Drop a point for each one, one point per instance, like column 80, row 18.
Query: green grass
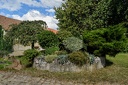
column 115, row 72
column 120, row 60
column 4, row 63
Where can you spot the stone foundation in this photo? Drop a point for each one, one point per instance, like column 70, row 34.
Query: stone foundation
column 41, row 64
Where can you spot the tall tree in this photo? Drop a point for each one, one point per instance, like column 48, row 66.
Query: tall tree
column 78, row 15
column 111, row 40
column 110, row 12
column 75, row 15
column 26, row 32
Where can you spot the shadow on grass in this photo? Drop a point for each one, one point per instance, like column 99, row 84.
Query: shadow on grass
column 108, row 63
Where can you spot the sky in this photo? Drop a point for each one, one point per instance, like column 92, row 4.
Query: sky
column 31, row 10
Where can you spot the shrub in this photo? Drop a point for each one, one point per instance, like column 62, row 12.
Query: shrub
column 30, row 55
column 64, row 34
column 73, row 44
column 62, row 52
column 50, row 58
column 4, row 63
column 78, row 58
column 106, row 41
column 62, row 59
column 48, row 39
column 25, row 62
column 51, row 50
column 3, row 53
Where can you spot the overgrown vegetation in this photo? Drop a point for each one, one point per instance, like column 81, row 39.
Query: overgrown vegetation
column 29, row 56
column 101, row 42
column 116, row 72
column 48, row 39
column 73, row 44
column 50, row 58
column 78, row 58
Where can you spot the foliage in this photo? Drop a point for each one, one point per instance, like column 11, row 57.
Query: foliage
column 91, row 58
column 25, row 62
column 75, row 20
column 30, row 54
column 4, row 63
column 26, row 32
column 5, row 43
column 1, row 38
column 79, row 15
column 73, row 44
column 51, row 50
column 78, row 58
column 64, row 34
column 50, row 58
column 115, row 73
column 48, row 39
column 62, row 52
column 3, row 53
column 110, row 12
column 62, row 59
column 104, row 41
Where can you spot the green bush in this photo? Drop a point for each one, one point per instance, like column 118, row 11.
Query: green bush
column 106, row 41
column 4, row 63
column 64, row 34
column 62, row 59
column 25, row 62
column 3, row 53
column 50, row 58
column 62, row 52
column 78, row 58
column 48, row 39
column 30, row 54
column 73, row 44
column 51, row 50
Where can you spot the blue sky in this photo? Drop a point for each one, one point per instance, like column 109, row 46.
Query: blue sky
column 31, row 10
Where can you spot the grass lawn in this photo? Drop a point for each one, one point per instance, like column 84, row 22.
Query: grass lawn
column 115, row 72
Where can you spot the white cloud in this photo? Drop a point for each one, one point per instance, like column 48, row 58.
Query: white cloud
column 50, row 10
column 36, row 15
column 13, row 5
column 51, row 3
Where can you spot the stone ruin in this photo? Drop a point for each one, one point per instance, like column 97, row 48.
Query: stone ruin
column 55, row 66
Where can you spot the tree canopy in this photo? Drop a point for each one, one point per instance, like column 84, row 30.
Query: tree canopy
column 78, row 15
column 48, row 39
column 26, row 32
column 5, row 43
column 111, row 40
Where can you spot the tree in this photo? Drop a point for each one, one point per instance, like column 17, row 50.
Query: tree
column 26, row 32
column 101, row 42
column 74, row 15
column 110, row 12
column 79, row 15
column 63, row 35
column 48, row 39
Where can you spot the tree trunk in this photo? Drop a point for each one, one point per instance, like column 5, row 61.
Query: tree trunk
column 32, row 45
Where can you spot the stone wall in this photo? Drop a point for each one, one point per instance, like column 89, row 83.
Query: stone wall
column 19, row 49
column 41, row 64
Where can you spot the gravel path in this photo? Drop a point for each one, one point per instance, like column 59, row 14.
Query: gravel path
column 9, row 78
